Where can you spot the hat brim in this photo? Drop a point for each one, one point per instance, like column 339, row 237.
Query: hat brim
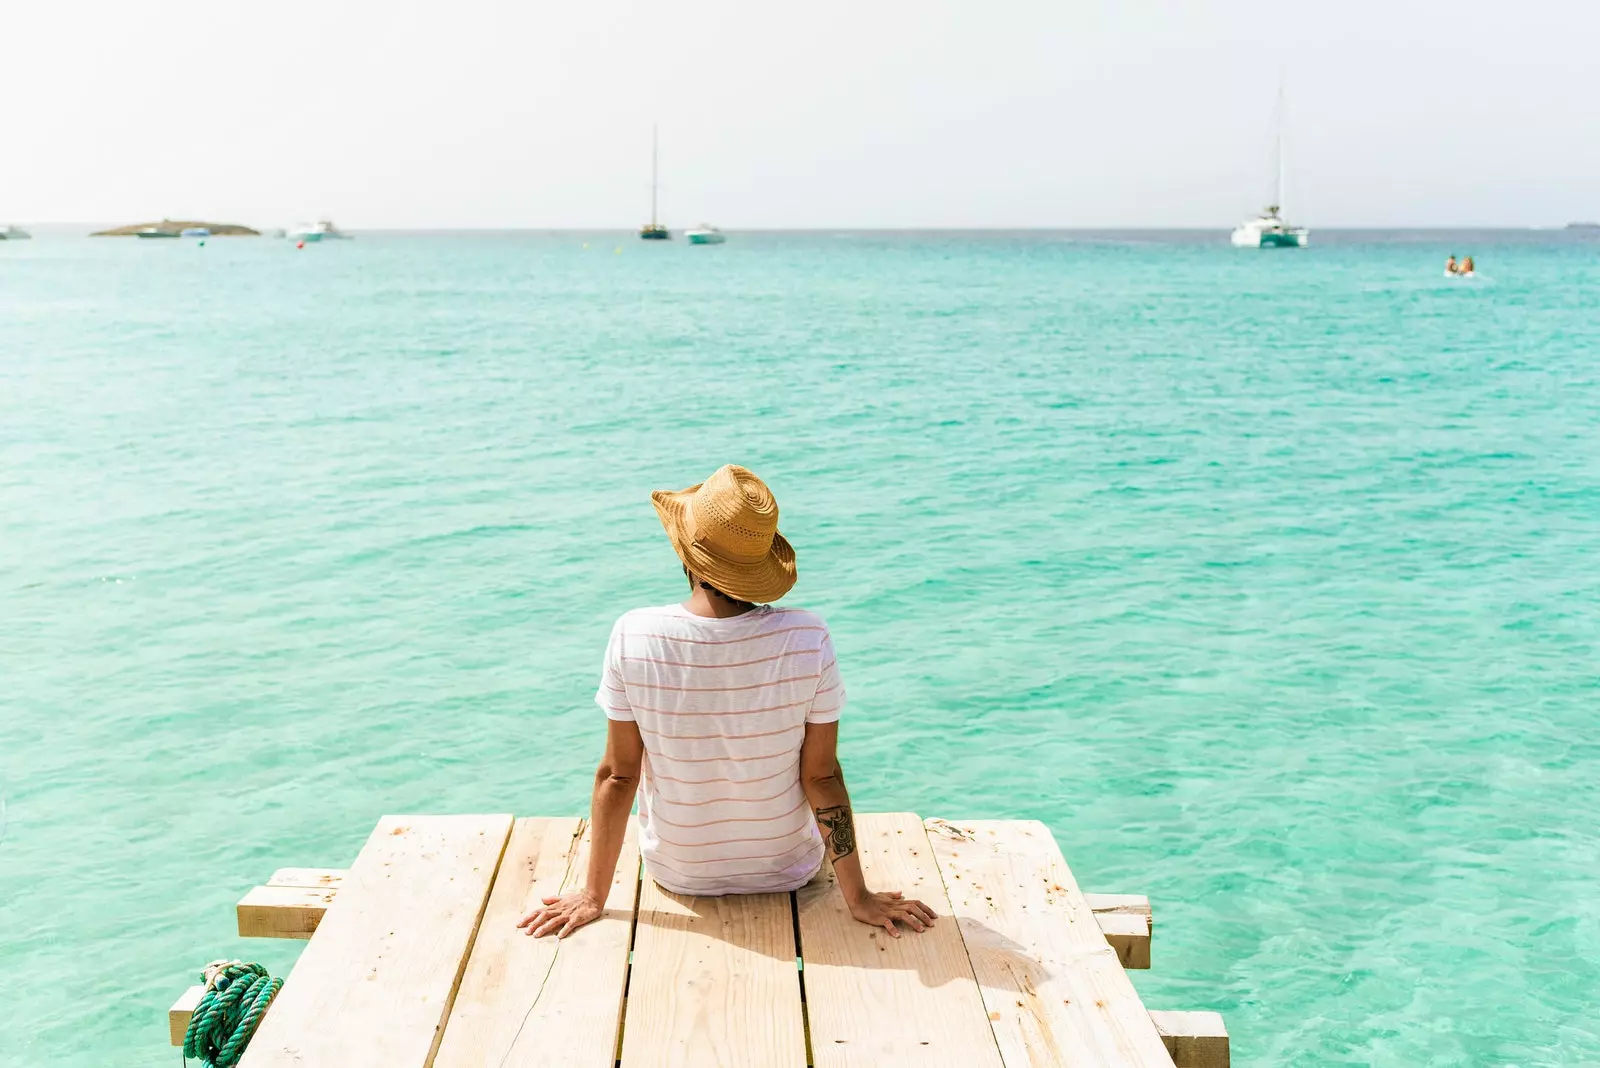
column 761, row 582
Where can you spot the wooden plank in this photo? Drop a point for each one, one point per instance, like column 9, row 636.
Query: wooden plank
column 182, row 1009
column 376, row 983
column 539, row 1002
column 1054, row 989
column 328, row 878
column 282, row 911
column 875, row 1001
column 1128, row 934
column 714, row 983
column 1194, row 1039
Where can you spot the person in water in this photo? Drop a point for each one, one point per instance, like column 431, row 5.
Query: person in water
column 1450, row 265
column 722, row 714
column 1467, row 266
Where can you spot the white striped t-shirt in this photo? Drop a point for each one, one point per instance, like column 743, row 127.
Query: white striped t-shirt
column 722, row 706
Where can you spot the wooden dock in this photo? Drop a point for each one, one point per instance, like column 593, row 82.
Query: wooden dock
column 414, row 961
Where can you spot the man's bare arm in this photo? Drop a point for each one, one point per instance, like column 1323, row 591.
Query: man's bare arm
column 823, row 781
column 616, row 781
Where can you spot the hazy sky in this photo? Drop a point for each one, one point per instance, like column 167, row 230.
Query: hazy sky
column 1023, row 113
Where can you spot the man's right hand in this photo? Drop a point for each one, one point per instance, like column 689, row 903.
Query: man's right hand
column 562, row 915
column 885, row 909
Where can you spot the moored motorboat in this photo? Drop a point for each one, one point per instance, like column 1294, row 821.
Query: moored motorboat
column 156, row 231
column 705, row 234
column 318, row 231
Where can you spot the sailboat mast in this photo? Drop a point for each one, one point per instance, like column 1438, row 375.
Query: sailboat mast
column 1278, row 150
column 653, row 152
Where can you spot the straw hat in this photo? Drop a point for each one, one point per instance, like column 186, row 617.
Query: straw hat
column 725, row 530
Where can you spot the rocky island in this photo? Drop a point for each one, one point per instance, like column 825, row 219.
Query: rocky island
column 176, row 227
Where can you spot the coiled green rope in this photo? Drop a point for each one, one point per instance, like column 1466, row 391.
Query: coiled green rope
column 237, row 994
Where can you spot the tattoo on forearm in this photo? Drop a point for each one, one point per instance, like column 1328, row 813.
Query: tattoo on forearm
column 838, row 830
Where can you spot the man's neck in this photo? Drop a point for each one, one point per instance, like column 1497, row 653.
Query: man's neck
column 702, row 603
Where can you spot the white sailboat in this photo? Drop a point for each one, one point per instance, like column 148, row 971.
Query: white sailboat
column 1268, row 230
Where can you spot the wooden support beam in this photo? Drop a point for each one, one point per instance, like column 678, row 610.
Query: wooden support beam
column 290, row 905
column 182, row 1009
column 1128, row 925
column 1129, row 935
column 282, row 911
column 1194, row 1039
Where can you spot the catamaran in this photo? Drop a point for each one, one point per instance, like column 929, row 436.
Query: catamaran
column 1269, row 230
column 654, row 231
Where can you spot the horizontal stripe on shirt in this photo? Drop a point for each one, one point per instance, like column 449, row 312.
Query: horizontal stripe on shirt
column 736, row 860
column 738, row 799
column 656, row 816
column 637, row 685
column 720, row 711
column 731, row 737
column 730, row 841
column 729, row 641
column 703, row 782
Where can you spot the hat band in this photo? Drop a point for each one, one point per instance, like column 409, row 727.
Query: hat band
column 719, row 552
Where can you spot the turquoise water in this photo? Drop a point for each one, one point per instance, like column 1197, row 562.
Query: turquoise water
column 1268, row 580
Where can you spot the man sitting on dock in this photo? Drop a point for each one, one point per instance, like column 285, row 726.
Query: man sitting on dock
column 729, row 708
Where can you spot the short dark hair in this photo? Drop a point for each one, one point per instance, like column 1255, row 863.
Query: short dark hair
column 704, row 585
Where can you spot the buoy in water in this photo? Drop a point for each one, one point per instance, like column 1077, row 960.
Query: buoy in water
column 299, row 244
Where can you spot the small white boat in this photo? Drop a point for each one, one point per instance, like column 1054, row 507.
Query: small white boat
column 14, row 233
column 319, row 231
column 705, row 234
column 194, row 231
column 1269, row 230
column 155, row 232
